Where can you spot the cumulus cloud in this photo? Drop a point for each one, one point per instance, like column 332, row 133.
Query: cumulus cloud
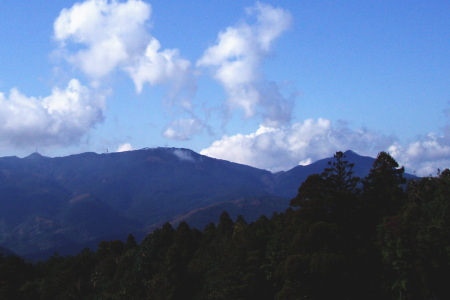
column 236, row 60
column 183, row 129
column 277, row 149
column 59, row 119
column 110, row 33
column 156, row 67
column 99, row 36
column 125, row 147
column 425, row 156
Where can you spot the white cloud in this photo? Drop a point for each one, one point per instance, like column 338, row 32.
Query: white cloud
column 59, row 119
column 279, row 149
column 183, row 129
column 237, row 62
column 283, row 148
column 109, row 33
column 99, row 36
column 125, row 147
column 156, row 67
column 425, row 156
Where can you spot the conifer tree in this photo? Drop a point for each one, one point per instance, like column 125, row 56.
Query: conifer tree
column 383, row 187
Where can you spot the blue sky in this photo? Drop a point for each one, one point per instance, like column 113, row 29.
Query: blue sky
column 271, row 84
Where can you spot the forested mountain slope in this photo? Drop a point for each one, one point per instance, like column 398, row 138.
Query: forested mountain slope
column 49, row 203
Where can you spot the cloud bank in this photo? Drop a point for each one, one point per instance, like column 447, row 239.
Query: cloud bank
column 62, row 118
column 278, row 149
column 424, row 156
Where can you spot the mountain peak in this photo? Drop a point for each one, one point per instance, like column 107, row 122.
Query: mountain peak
column 34, row 155
column 350, row 153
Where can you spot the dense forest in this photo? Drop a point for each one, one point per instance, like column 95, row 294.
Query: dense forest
column 342, row 237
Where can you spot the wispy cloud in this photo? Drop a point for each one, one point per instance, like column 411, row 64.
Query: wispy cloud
column 236, row 60
column 125, row 147
column 62, row 118
column 184, row 129
column 184, row 155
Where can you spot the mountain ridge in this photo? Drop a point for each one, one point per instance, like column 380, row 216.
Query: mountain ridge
column 49, row 203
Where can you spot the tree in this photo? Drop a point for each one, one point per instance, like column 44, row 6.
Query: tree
column 383, row 188
column 339, row 176
column 14, row 272
column 130, row 243
column 415, row 243
column 313, row 188
column 329, row 256
column 330, row 196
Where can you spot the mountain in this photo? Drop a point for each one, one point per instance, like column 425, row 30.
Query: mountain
column 65, row 202
column 288, row 182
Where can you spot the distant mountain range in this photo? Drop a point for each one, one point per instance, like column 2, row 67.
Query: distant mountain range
column 65, row 203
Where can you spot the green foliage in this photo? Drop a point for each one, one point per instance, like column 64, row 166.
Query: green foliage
column 415, row 243
column 384, row 241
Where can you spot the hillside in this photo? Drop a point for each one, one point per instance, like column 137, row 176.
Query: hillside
column 55, row 203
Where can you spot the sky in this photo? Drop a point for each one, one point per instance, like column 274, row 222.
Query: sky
column 271, row 84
